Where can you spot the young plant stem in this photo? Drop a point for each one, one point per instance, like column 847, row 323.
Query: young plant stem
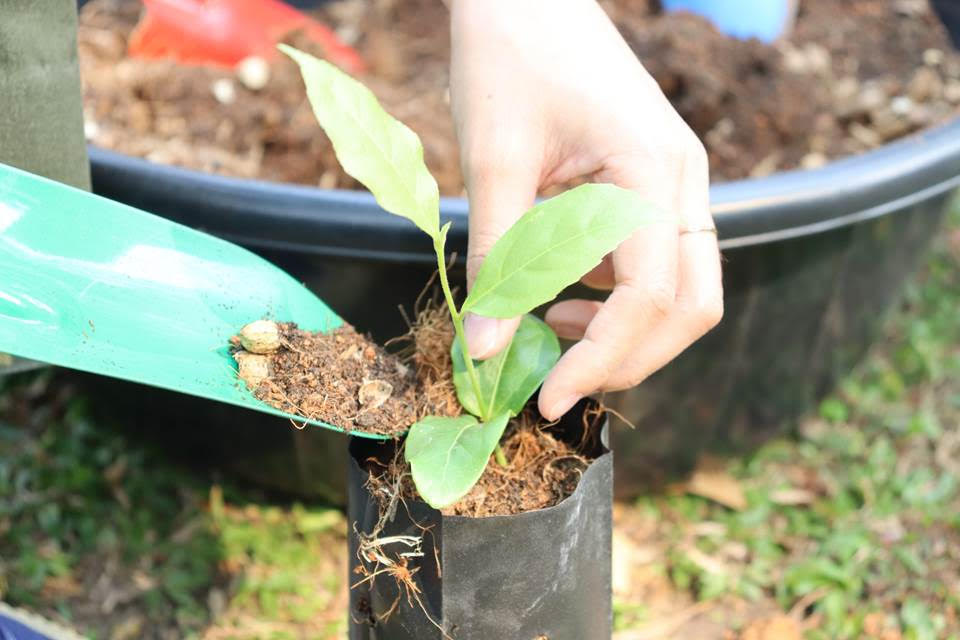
column 457, row 318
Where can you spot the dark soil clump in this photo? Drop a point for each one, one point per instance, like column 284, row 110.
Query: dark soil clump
column 345, row 379
column 853, row 75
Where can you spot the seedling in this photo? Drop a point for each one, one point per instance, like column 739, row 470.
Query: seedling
column 550, row 247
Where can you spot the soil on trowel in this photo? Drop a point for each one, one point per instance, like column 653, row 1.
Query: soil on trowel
column 347, row 380
column 853, row 75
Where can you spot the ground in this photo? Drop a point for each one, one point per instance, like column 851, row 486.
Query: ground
column 847, row 527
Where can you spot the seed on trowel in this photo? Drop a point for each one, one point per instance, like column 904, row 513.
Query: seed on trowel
column 253, row 368
column 262, row 336
column 373, row 393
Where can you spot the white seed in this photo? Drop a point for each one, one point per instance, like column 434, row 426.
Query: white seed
column 373, row 393
column 90, row 129
column 813, row 160
column 224, row 91
column 253, row 368
column 952, row 91
column 253, row 72
column 901, row 105
column 932, row 57
column 262, row 336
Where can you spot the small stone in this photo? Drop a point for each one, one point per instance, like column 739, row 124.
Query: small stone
column 886, row 125
column 901, row 105
column 373, row 393
column 253, row 72
column 921, row 116
column 766, row 166
column 261, row 336
column 794, row 59
column 253, row 368
column 872, row 96
column 328, row 180
column 867, row 137
column 818, row 57
column 925, row 85
column 720, row 131
column 932, row 57
column 845, row 93
column 140, row 117
column 910, row 8
column 951, row 91
column 90, row 129
column 813, row 160
column 224, row 91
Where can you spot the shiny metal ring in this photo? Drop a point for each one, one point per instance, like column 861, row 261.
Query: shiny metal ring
column 712, row 230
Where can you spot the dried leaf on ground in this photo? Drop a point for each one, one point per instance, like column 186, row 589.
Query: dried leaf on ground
column 710, row 480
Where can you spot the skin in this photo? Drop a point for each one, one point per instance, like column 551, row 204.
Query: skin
column 546, row 91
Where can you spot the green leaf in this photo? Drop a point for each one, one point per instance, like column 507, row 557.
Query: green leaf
column 553, row 245
column 448, row 455
column 372, row 146
column 509, row 379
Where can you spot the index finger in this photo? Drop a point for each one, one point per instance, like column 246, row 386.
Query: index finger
column 646, row 264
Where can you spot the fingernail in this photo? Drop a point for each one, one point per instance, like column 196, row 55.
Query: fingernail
column 481, row 334
column 561, row 407
column 568, row 331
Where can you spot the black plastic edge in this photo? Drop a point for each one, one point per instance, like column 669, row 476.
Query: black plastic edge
column 543, row 573
column 350, row 224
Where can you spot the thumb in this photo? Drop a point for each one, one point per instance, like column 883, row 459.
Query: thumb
column 499, row 192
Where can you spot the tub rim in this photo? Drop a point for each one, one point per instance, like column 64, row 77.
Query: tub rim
column 343, row 223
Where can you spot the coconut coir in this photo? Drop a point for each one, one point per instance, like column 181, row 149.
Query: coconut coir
column 345, row 379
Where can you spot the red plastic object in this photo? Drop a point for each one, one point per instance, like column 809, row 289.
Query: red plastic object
column 224, row 32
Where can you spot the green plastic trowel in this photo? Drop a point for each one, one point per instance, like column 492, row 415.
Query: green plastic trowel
column 92, row 284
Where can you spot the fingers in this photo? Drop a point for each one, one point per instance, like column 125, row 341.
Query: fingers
column 500, row 191
column 698, row 308
column 486, row 337
column 639, row 302
column 668, row 288
column 569, row 319
column 601, row 276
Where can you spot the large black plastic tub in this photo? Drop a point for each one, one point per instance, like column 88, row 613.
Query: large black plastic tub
column 813, row 258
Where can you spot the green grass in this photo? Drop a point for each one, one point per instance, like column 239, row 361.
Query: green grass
column 852, row 523
column 101, row 532
column 877, row 476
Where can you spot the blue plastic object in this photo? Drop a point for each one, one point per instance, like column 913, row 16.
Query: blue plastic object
column 18, row 624
column 762, row 19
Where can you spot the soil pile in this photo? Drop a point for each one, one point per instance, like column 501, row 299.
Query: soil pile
column 853, row 75
column 345, row 379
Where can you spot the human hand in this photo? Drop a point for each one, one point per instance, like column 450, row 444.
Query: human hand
column 544, row 92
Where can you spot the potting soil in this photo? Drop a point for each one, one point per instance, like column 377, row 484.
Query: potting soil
column 345, row 379
column 853, row 75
